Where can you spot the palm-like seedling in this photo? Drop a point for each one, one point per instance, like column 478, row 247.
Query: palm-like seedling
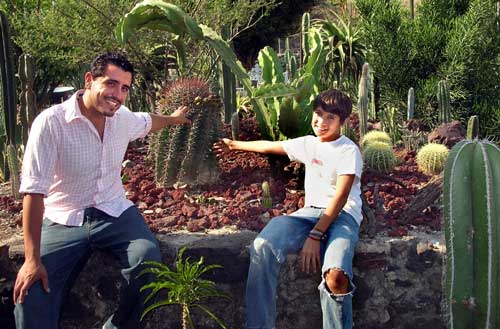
column 185, row 287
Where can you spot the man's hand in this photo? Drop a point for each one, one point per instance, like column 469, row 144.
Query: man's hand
column 179, row 115
column 310, row 256
column 29, row 273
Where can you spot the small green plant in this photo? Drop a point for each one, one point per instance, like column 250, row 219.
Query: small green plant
column 391, row 119
column 375, row 136
column 379, row 156
column 185, row 287
column 431, row 158
column 471, row 184
column 267, row 201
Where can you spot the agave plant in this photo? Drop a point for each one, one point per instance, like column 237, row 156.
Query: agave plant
column 185, row 287
column 345, row 51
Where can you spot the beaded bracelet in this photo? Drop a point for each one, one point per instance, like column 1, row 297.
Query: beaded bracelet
column 317, row 235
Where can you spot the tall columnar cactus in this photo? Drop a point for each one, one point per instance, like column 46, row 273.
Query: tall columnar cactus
column 379, row 156
column 306, row 25
column 7, row 77
column 471, row 212
column 473, row 127
column 443, row 97
column 411, row 104
column 290, row 61
column 363, row 100
column 227, row 83
column 14, row 170
column 182, row 154
column 28, row 98
column 267, row 201
column 431, row 158
column 235, row 126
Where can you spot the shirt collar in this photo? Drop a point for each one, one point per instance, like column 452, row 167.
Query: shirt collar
column 72, row 109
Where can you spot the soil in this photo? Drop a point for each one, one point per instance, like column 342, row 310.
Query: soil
column 235, row 201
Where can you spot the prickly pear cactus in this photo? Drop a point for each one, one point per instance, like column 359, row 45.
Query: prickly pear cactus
column 267, row 201
column 431, row 158
column 182, row 153
column 379, row 156
column 471, row 213
column 375, row 136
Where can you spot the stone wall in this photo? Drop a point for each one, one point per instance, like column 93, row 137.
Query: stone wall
column 398, row 284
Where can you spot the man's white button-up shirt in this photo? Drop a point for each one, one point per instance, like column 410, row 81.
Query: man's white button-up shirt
column 66, row 161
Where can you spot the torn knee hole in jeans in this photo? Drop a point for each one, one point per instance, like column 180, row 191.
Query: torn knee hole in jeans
column 324, row 286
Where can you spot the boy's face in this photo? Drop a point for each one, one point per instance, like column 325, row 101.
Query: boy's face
column 326, row 125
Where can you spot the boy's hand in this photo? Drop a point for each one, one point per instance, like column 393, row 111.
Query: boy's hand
column 221, row 147
column 179, row 115
column 310, row 256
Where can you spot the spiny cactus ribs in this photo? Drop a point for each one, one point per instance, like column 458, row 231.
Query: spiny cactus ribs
column 431, row 158
column 182, row 153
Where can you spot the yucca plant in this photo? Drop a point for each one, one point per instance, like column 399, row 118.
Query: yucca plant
column 185, row 287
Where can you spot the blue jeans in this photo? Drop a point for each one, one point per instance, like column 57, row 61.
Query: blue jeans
column 66, row 249
column 286, row 234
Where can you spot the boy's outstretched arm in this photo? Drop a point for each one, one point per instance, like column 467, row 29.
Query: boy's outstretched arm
column 261, row 146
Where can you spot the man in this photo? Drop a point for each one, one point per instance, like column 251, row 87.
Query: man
column 74, row 201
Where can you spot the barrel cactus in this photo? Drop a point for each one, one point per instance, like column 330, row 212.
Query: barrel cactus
column 472, row 280
column 375, row 136
column 182, row 153
column 431, row 158
column 267, row 201
column 379, row 156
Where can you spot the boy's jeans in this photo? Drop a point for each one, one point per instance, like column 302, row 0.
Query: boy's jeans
column 285, row 234
column 64, row 252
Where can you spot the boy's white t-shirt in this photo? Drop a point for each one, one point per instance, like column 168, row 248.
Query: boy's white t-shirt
column 324, row 162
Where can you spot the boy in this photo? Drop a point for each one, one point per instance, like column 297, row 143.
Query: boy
column 326, row 229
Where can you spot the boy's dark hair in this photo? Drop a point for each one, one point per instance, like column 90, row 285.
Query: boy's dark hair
column 100, row 63
column 334, row 101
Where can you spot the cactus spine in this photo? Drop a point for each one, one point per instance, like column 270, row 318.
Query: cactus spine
column 28, row 98
column 267, row 201
column 411, row 104
column 473, row 127
column 472, row 279
column 306, row 25
column 379, row 156
column 431, row 158
column 443, row 96
column 363, row 100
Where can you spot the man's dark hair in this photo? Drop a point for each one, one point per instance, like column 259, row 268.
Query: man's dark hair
column 334, row 101
column 100, row 63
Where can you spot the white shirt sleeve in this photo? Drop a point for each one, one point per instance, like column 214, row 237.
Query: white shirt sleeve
column 40, row 156
column 296, row 149
column 350, row 163
column 139, row 124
